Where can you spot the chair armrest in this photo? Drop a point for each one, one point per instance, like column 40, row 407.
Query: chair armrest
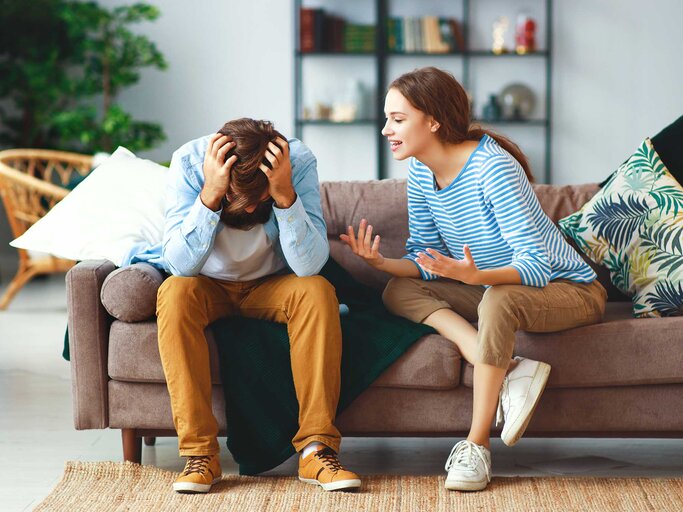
column 88, row 343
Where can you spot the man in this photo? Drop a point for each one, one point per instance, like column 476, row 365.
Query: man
column 245, row 235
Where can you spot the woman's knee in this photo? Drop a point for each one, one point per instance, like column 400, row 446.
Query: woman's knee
column 398, row 293
column 497, row 300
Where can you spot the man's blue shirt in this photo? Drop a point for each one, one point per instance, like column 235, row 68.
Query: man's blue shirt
column 298, row 233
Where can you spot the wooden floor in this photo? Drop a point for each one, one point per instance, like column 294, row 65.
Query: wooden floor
column 37, row 434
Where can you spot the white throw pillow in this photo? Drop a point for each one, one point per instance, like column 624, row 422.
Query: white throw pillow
column 120, row 204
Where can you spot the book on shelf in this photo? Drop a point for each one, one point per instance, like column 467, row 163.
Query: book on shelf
column 429, row 34
column 458, row 35
column 320, row 31
column 359, row 38
column 306, row 29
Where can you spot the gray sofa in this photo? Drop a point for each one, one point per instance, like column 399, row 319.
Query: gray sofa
column 620, row 378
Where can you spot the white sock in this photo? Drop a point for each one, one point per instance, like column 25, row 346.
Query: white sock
column 310, row 448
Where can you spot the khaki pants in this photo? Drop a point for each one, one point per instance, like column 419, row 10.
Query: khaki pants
column 500, row 310
column 309, row 307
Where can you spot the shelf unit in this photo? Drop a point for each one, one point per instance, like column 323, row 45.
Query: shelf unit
column 382, row 55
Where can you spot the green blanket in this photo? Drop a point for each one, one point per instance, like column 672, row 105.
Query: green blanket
column 261, row 406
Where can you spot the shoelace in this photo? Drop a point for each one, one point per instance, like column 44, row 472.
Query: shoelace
column 196, row 464
column 329, row 459
column 504, row 395
column 464, row 453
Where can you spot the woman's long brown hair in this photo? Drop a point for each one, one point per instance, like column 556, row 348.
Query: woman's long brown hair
column 438, row 94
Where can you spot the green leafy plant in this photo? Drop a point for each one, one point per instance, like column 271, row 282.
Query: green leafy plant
column 85, row 54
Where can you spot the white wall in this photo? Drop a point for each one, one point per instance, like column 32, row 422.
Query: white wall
column 227, row 59
column 617, row 77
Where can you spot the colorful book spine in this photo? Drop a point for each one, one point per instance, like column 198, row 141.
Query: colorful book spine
column 306, row 31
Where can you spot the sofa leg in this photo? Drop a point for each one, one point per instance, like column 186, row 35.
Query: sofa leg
column 132, row 445
column 150, row 440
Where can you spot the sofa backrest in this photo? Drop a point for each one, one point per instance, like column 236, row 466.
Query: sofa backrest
column 384, row 203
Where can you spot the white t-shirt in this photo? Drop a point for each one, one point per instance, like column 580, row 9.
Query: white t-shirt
column 240, row 255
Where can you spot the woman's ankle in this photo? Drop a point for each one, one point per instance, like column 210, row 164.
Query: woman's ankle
column 485, row 442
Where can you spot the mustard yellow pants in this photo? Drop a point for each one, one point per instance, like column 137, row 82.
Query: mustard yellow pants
column 309, row 307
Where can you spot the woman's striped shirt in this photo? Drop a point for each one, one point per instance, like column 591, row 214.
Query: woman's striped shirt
column 491, row 207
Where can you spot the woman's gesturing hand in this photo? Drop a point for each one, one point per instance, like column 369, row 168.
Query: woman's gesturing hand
column 363, row 245
column 464, row 270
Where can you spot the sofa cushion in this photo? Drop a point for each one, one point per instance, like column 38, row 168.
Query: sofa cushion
column 620, row 351
column 431, row 363
column 134, row 353
column 130, row 293
column 634, row 227
column 120, row 205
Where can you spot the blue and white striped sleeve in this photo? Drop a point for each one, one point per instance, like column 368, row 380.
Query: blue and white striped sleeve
column 507, row 191
column 423, row 233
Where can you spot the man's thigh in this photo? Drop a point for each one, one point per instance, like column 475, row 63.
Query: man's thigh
column 216, row 298
column 274, row 297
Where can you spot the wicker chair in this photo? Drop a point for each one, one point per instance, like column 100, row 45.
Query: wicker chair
column 32, row 181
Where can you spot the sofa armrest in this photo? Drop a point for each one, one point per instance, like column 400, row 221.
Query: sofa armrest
column 88, row 343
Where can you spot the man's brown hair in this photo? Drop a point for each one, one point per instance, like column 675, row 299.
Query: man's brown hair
column 248, row 183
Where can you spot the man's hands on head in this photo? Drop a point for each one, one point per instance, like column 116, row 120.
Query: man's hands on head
column 217, row 171
column 280, row 176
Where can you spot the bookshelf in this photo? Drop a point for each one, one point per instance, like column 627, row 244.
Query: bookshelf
column 470, row 65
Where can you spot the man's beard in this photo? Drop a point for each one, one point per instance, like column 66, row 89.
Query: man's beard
column 245, row 221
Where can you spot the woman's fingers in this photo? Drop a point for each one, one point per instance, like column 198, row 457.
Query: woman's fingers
column 367, row 241
column 468, row 253
column 352, row 239
column 362, row 243
column 361, row 232
column 375, row 246
column 436, row 255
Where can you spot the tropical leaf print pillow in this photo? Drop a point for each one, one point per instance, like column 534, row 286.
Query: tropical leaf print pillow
column 634, row 227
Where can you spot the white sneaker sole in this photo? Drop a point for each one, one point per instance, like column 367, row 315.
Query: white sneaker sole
column 463, row 485
column 333, row 486
column 513, row 432
column 192, row 488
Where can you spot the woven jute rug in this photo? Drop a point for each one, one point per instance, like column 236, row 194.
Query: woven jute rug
column 110, row 486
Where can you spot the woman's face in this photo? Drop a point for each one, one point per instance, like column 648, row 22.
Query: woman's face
column 408, row 130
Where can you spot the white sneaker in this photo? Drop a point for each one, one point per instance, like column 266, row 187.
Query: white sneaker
column 519, row 396
column 469, row 467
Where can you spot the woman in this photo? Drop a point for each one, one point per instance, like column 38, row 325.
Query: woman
column 480, row 249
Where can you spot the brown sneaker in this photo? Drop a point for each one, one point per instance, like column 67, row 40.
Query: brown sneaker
column 323, row 468
column 200, row 473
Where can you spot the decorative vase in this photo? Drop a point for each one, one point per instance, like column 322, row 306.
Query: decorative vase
column 491, row 111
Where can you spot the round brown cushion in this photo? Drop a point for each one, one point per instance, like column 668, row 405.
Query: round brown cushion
column 130, row 293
